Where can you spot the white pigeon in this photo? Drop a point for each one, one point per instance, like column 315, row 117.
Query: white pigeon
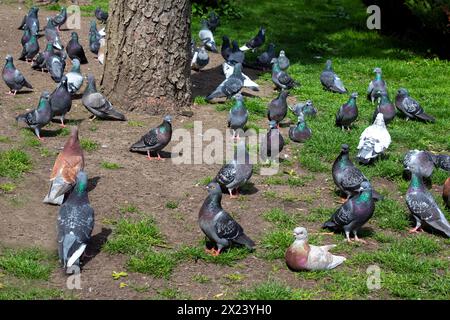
column 303, row 256
column 248, row 83
column 200, row 59
column 374, row 140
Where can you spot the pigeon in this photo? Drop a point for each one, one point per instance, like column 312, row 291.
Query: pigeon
column 55, row 66
column 347, row 177
column 230, row 86
column 207, row 37
column 98, row 104
column 75, row 224
column 60, row 18
column 75, row 50
column 213, row 21
column 420, row 162
column 13, row 78
column 280, row 78
column 441, row 161
column 40, row 117
column 200, row 59
column 238, row 116
column 237, row 172
column 74, row 78
column 264, row 59
column 424, row 208
column 101, row 51
column 256, row 42
column 347, row 113
column 31, row 21
column 218, row 225
column 410, row 107
column 236, row 55
column 354, row 213
column 283, row 61
column 272, row 143
column 228, row 70
column 278, row 107
column 30, row 49
column 302, row 256
column 155, row 140
column 377, row 87
column 101, row 15
column 26, row 36
column 52, row 35
column 300, row 132
column 94, row 38
column 65, row 170
column 306, row 108
column 373, row 141
column 385, row 106
column 446, row 193
column 330, row 80
column 40, row 62
column 226, row 49
column 61, row 100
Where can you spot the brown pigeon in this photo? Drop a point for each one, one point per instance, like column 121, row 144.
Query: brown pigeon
column 446, row 193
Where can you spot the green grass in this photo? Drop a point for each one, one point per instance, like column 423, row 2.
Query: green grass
column 7, row 187
column 110, row 165
column 156, row 264
column 272, row 290
column 16, row 293
column 137, row 124
column 13, row 163
column 171, row 204
column 88, row 145
column 27, row 263
column 29, row 138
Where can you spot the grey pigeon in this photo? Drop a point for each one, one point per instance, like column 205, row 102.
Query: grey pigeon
column 30, row 49
column 155, row 140
column 374, row 141
column 283, row 61
column 272, row 143
column 61, row 100
column 75, row 224
column 207, row 38
column 31, row 21
column 55, row 66
column 278, row 107
column 74, row 77
column 377, row 87
column 410, row 107
column 213, row 21
column 236, row 54
column 424, row 208
column 13, row 78
column 386, row 107
column 255, row 42
column 218, row 225
column 420, row 162
column 347, row 177
column 26, row 36
column 226, row 49
column 330, row 80
column 75, row 50
column 94, row 38
column 101, row 15
column 52, row 35
column 237, row 172
column 228, row 70
column 40, row 62
column 60, row 18
column 347, row 113
column 441, row 161
column 300, row 132
column 98, row 104
column 303, row 256
column 200, row 59
column 280, row 78
column 354, row 213
column 306, row 108
column 264, row 59
column 39, row 117
column 230, row 86
column 238, row 116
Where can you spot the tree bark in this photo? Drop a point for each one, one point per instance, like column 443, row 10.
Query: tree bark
column 147, row 65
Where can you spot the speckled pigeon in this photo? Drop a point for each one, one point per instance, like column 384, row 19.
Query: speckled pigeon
column 31, row 21
column 272, row 140
column 374, row 141
column 347, row 113
column 280, row 78
column 303, row 256
column 255, row 42
column 300, row 132
column 306, row 108
column 74, row 77
column 283, row 61
column 238, row 116
column 52, row 35
column 30, row 49
column 55, row 66
column 277, row 109
column 207, row 37
column 230, row 86
column 75, row 50
column 441, row 161
column 13, row 78
column 237, row 172
column 26, row 36
column 218, row 226
column 386, row 107
column 101, row 15
column 236, row 54
column 420, row 162
column 424, row 208
column 226, row 49
column 39, row 117
column 60, row 18
column 330, row 80
column 446, row 193
column 75, row 225
column 200, row 59
column 264, row 59
column 354, row 213
column 155, row 140
column 98, row 104
column 410, row 107
column 61, row 100
column 213, row 21
column 228, row 70
column 377, row 87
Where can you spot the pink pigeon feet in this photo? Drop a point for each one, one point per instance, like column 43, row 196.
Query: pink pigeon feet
column 415, row 230
column 212, row 252
column 233, row 196
column 11, row 93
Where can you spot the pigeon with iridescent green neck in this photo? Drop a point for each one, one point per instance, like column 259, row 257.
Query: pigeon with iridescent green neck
column 60, row 18
column 410, row 107
column 280, row 78
column 347, row 113
column 238, row 116
column 30, row 49
column 26, row 36
column 39, row 62
column 377, row 87
column 75, row 50
column 278, row 107
column 39, row 117
column 424, row 208
column 385, row 106
column 94, row 38
column 31, row 21
column 61, row 100
column 354, row 213
column 306, row 108
column 230, row 86
column 330, row 80
column 75, row 225
column 74, row 77
column 300, row 132
column 13, row 78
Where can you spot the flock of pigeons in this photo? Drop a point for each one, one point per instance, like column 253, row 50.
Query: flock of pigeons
column 69, row 181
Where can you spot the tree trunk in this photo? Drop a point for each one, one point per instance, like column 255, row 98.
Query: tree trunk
column 147, row 65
